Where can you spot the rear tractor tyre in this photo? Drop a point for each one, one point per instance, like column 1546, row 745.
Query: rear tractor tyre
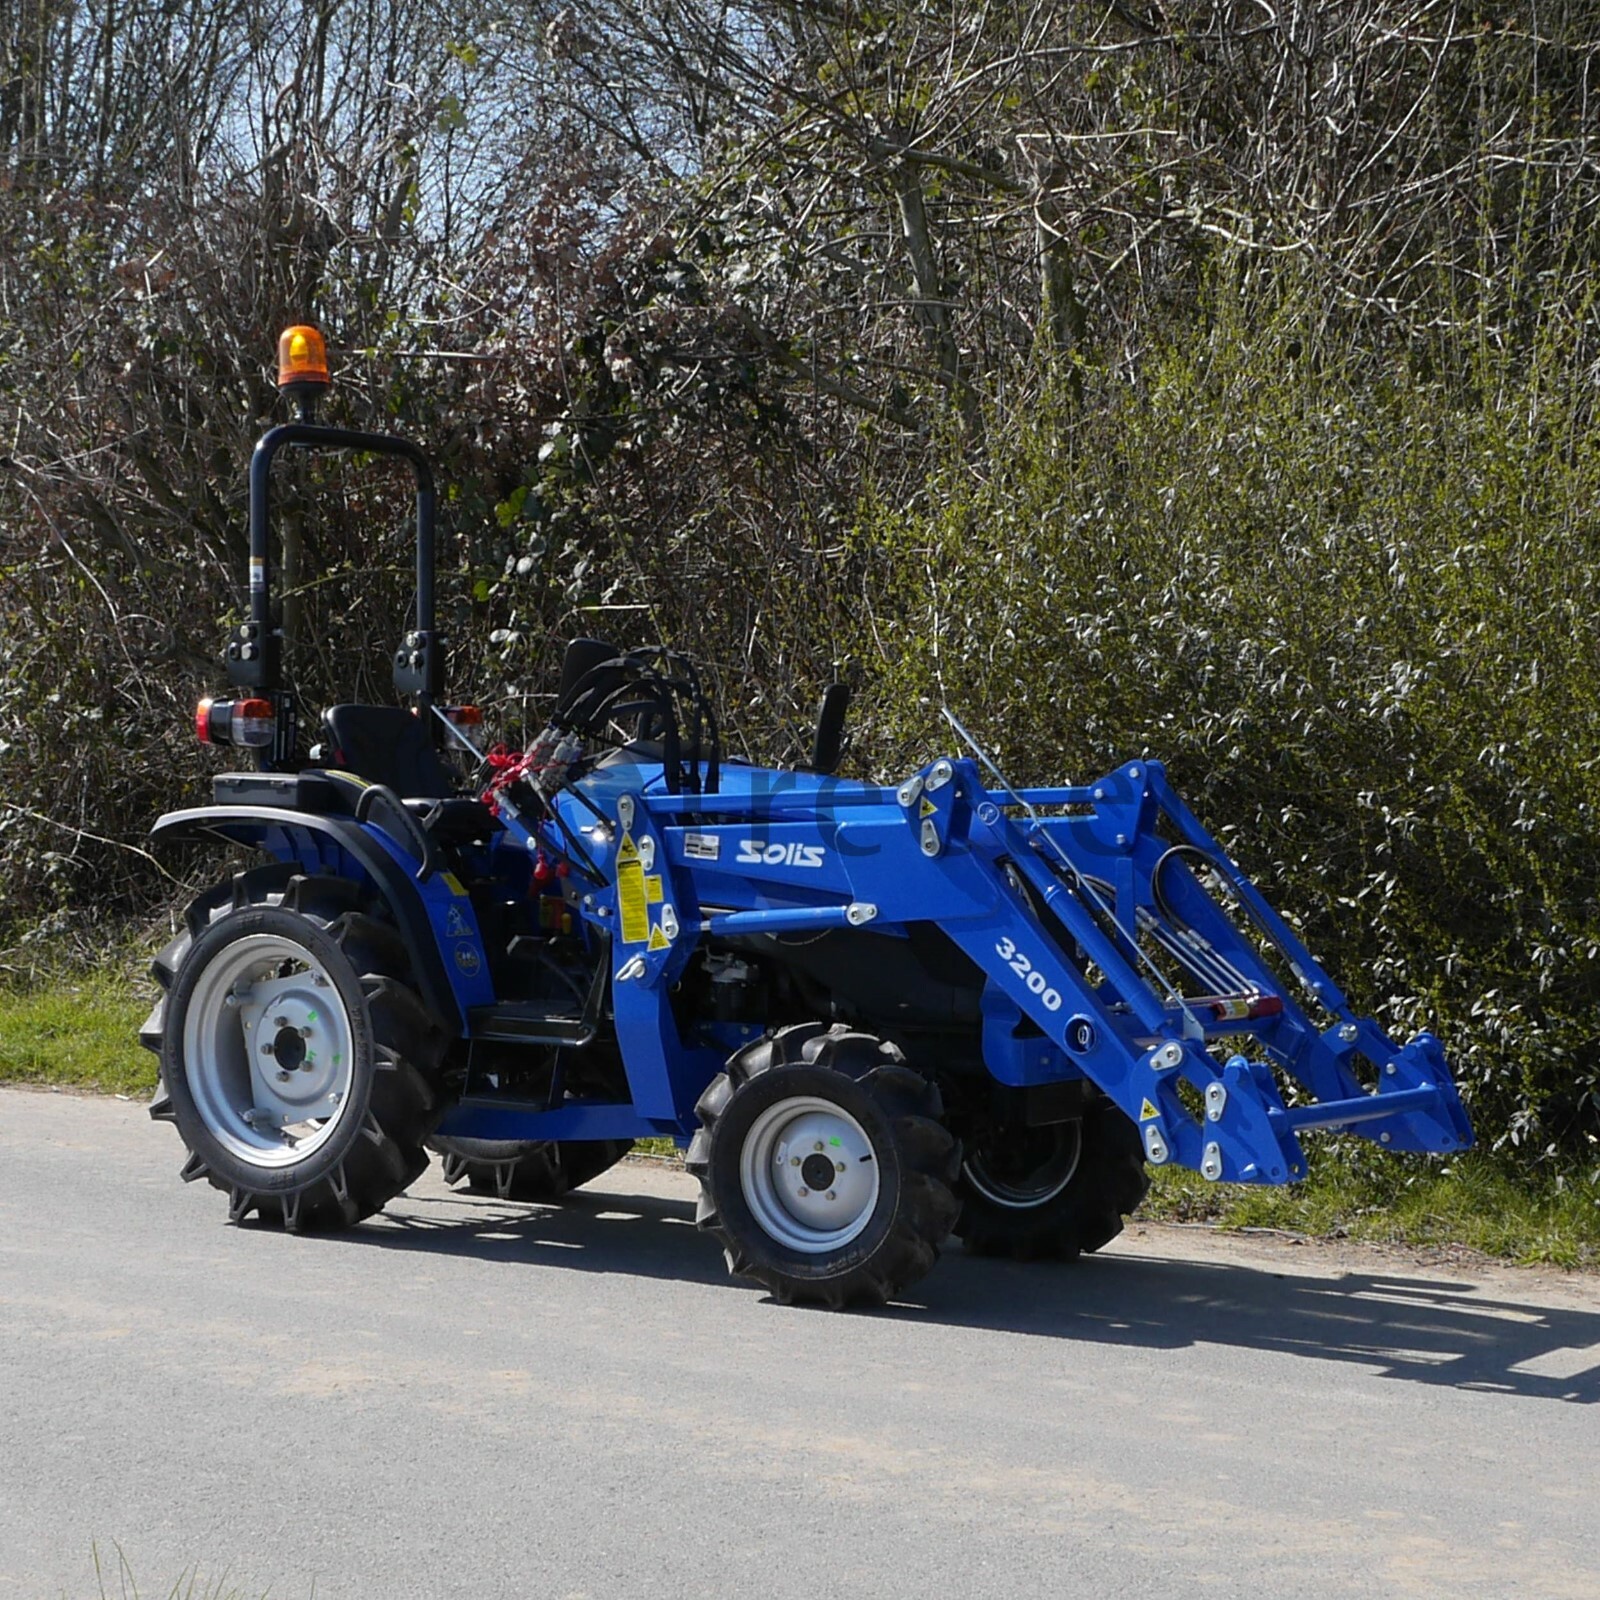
column 1058, row 1191
column 526, row 1170
column 824, row 1167
column 583, row 1160
column 297, row 1060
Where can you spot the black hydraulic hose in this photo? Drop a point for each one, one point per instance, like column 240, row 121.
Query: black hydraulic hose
column 600, row 680
column 596, row 694
column 671, row 749
column 703, row 715
column 576, row 855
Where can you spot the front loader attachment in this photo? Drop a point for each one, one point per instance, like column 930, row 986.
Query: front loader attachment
column 1117, row 941
column 1147, row 960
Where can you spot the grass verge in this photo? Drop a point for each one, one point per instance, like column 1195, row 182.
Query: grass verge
column 82, row 1032
column 1472, row 1200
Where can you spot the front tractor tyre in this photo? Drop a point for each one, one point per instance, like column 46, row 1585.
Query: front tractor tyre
column 297, row 1060
column 1059, row 1191
column 824, row 1167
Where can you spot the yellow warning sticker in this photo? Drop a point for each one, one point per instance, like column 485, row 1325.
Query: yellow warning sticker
column 929, row 809
column 652, row 888
column 1147, row 1111
column 453, row 884
column 658, row 939
column 627, row 850
column 631, row 908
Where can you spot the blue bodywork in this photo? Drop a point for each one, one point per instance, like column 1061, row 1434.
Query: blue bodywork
column 1115, row 940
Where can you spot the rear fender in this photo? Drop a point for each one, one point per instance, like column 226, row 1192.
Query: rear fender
column 435, row 918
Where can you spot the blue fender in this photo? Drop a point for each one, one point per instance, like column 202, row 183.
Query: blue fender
column 426, row 914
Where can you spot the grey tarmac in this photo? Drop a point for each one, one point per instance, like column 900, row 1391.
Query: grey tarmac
column 466, row 1397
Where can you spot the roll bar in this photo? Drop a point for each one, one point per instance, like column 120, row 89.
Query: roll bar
column 255, row 648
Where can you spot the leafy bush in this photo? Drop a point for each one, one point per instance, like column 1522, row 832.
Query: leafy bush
column 1349, row 596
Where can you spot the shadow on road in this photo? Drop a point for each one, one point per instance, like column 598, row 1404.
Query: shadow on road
column 1419, row 1329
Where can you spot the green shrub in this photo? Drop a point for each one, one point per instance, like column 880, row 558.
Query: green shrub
column 1349, row 596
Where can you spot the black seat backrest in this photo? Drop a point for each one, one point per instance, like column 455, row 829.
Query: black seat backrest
column 388, row 745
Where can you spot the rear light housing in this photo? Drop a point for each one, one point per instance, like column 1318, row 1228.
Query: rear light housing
column 245, row 723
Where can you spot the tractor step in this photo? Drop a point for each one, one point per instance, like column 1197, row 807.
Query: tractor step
column 514, row 1022
column 505, row 1115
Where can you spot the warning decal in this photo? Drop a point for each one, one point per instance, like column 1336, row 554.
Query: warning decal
column 652, row 888
column 929, row 809
column 658, row 939
column 631, row 908
column 1147, row 1111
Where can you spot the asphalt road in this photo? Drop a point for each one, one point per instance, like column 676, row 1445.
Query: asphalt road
column 473, row 1398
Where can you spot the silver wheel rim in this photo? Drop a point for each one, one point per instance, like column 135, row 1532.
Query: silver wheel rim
column 268, row 1051
column 780, row 1169
column 1049, row 1179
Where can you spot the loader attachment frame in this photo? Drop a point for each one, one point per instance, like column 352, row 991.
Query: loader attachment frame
column 1118, row 942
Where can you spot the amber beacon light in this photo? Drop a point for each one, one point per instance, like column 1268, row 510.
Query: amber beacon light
column 302, row 362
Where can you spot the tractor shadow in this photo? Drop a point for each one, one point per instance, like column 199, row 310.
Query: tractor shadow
column 590, row 1230
column 1448, row 1334
column 1434, row 1331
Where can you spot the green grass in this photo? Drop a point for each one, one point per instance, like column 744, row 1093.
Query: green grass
column 114, row 1580
column 1472, row 1200
column 80, row 1032
column 656, row 1149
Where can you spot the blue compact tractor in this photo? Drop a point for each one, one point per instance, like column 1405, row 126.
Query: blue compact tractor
column 874, row 1016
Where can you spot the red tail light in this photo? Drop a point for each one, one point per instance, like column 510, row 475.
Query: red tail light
column 250, row 723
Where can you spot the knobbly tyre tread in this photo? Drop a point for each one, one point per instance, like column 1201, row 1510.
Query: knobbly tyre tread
column 1087, row 1215
column 382, row 1154
column 911, row 1222
column 508, row 1169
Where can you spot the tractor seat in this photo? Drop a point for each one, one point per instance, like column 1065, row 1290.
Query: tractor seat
column 391, row 746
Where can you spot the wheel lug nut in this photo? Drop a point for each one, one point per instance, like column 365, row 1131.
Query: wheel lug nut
column 794, row 1161
column 817, row 1145
column 305, row 1033
column 280, row 1022
column 804, row 1192
column 283, row 1077
column 267, row 1049
column 839, row 1165
column 832, row 1195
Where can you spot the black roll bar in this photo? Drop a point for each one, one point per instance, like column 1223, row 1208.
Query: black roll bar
column 255, row 653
